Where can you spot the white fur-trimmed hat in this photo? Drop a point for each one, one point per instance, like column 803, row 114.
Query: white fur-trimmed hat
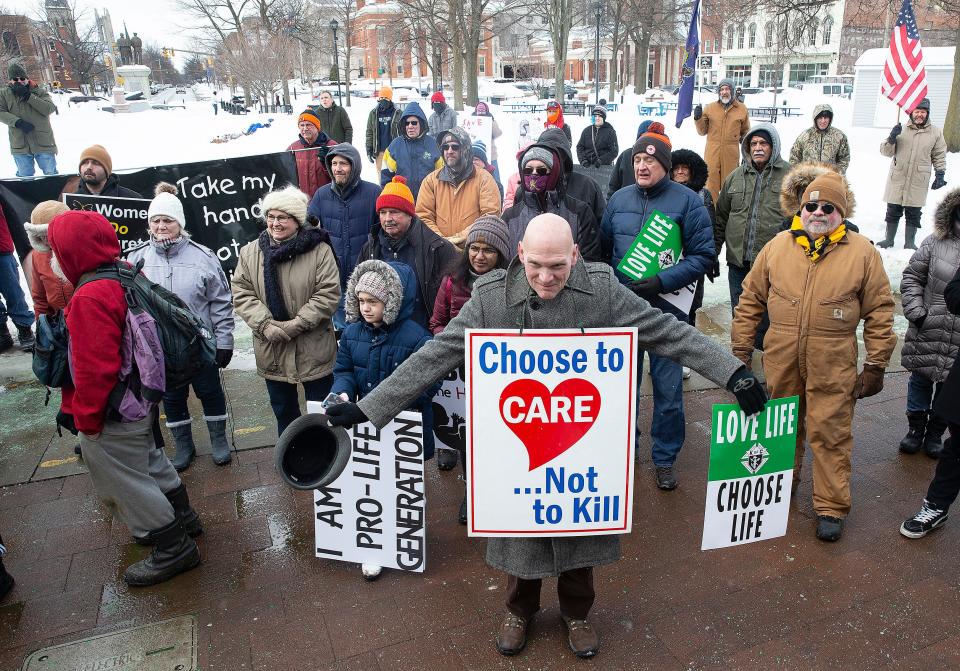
column 291, row 200
column 166, row 202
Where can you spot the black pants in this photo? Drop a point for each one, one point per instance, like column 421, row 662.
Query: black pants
column 946, row 481
column 575, row 589
column 894, row 212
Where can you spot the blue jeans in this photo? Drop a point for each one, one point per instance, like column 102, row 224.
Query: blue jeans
column 206, row 385
column 16, row 302
column 736, row 275
column 920, row 392
column 47, row 163
column 668, row 428
column 286, row 402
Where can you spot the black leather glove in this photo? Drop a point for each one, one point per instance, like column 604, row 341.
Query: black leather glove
column 65, row 420
column 750, row 394
column 346, row 414
column 939, row 180
column 647, row 288
column 223, row 357
column 894, row 132
column 714, row 271
column 697, row 112
column 24, row 125
column 322, row 152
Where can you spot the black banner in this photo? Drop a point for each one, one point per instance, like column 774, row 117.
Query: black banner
column 127, row 215
column 221, row 198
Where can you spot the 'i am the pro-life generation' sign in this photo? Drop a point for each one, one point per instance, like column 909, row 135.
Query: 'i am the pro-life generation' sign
column 750, row 475
column 658, row 246
column 550, row 417
column 374, row 512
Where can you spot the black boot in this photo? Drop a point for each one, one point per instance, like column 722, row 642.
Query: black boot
column 6, row 580
column 174, row 553
column 933, row 438
column 912, row 442
column 185, row 449
column 891, row 234
column 909, row 237
column 6, row 340
column 25, row 337
column 180, row 501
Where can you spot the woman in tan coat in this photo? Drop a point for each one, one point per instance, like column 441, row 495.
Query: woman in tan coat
column 286, row 288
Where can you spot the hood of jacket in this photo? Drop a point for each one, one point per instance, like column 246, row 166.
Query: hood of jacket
column 413, row 109
column 559, row 122
column 401, row 290
column 798, row 179
column 555, row 140
column 349, row 152
column 820, row 109
column 464, row 168
column 37, row 234
column 947, row 211
column 82, row 241
column 698, row 167
column 774, row 139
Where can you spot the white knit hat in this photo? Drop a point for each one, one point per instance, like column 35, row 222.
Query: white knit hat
column 291, row 200
column 166, row 203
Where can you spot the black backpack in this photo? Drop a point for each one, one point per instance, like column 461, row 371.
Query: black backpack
column 50, row 351
column 188, row 345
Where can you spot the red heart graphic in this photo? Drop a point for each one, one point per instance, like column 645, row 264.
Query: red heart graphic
column 546, row 422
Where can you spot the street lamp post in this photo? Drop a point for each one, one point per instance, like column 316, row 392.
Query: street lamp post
column 598, row 7
column 334, row 25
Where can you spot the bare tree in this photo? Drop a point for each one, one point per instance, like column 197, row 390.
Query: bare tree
column 77, row 39
column 560, row 21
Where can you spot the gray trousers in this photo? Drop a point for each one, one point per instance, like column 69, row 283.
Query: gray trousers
column 131, row 474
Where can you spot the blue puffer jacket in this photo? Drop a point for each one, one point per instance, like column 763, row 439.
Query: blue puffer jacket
column 630, row 207
column 414, row 159
column 346, row 214
column 366, row 355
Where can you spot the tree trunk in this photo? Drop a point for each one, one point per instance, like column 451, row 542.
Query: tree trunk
column 637, row 81
column 643, row 59
column 346, row 63
column 951, row 123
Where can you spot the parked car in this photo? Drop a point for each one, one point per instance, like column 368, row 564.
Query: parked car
column 180, row 89
column 85, row 99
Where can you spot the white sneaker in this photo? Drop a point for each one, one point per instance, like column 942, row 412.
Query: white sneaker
column 686, row 373
column 370, row 571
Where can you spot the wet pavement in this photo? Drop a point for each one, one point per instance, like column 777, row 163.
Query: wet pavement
column 262, row 601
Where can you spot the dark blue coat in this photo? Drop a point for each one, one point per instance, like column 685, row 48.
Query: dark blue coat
column 347, row 214
column 366, row 355
column 630, row 207
column 414, row 159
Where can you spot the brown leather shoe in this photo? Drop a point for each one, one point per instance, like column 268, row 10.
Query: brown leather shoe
column 512, row 636
column 582, row 637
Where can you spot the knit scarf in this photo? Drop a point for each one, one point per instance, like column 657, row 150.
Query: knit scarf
column 276, row 253
column 815, row 251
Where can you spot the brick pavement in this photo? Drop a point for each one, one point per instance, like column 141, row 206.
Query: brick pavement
column 264, row 602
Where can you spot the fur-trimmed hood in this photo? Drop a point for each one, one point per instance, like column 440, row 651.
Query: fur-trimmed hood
column 947, row 211
column 37, row 234
column 698, row 167
column 796, row 182
column 401, row 290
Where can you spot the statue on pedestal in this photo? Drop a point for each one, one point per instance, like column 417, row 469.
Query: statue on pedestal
column 125, row 49
column 137, row 45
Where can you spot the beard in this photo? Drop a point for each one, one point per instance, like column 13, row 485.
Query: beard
column 725, row 99
column 817, row 228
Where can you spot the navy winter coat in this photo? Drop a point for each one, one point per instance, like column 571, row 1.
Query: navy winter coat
column 414, row 159
column 346, row 214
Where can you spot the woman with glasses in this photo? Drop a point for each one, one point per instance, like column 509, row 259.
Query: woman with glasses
column 413, row 154
column 541, row 189
column 286, row 288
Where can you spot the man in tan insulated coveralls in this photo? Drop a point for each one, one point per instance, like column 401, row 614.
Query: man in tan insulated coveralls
column 724, row 122
column 817, row 281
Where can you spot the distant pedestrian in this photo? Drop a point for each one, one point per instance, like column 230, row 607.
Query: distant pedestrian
column 725, row 122
column 26, row 109
column 555, row 119
column 383, row 125
column 334, row 119
column 443, row 117
column 598, row 142
column 822, row 143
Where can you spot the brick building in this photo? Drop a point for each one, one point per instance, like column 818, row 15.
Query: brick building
column 22, row 39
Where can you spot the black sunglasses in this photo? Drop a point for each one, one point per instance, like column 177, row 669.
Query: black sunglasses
column 536, row 171
column 813, row 206
column 20, row 79
column 450, row 146
column 412, row 122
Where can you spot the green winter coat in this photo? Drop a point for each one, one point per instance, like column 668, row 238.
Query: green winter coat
column 335, row 122
column 750, row 201
column 822, row 146
column 915, row 153
column 37, row 110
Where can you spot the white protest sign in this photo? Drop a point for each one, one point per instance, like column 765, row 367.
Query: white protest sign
column 479, row 128
column 750, row 475
column 550, row 417
column 374, row 512
column 450, row 412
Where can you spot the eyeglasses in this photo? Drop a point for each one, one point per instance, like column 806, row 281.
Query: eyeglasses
column 482, row 251
column 412, row 122
column 450, row 147
column 536, row 171
column 20, row 79
column 813, row 206
column 277, row 218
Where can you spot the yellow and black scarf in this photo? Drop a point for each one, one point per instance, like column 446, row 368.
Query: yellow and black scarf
column 815, row 250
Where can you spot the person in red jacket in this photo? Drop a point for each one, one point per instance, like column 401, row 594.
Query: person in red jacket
column 128, row 471
column 555, row 119
column 50, row 291
column 310, row 150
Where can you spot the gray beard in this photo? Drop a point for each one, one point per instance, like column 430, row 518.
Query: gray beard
column 817, row 229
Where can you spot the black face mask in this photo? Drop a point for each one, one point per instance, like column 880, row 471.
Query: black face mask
column 437, row 107
column 385, row 105
column 20, row 89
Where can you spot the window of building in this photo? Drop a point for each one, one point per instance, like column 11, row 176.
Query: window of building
column 827, row 30
column 53, row 45
column 400, row 69
column 813, row 35
column 730, row 38
column 716, row 45
column 482, row 65
column 798, row 33
column 770, row 75
column 801, row 72
column 768, row 34
column 10, row 44
column 740, row 37
column 544, row 20
column 752, row 41
column 740, row 74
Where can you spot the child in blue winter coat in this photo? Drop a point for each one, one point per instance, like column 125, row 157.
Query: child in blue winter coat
column 379, row 336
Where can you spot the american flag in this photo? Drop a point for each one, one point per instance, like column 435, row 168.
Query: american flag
column 904, row 77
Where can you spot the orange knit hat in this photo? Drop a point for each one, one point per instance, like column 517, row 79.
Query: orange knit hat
column 309, row 117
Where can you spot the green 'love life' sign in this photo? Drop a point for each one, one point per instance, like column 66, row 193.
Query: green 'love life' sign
column 657, row 247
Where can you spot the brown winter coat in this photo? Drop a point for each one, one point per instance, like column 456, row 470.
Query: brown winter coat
column 311, row 292
column 916, row 153
column 724, row 128
column 450, row 210
column 49, row 291
column 810, row 349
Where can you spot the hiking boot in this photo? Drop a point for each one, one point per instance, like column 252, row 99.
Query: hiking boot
column 914, row 439
column 933, row 438
column 512, row 636
column 582, row 638
column 909, row 237
column 666, row 480
column 25, row 337
column 174, row 553
column 183, row 442
column 829, row 529
column 462, row 515
column 6, row 340
column 370, row 571
column 891, row 234
column 180, row 501
column 929, row 518
column 217, row 428
column 446, row 459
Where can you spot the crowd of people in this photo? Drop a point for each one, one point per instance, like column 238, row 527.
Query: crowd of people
column 365, row 289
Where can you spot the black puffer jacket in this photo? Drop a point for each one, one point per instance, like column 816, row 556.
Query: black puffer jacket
column 933, row 339
column 111, row 188
column 698, row 175
column 526, row 206
column 579, row 186
column 597, row 145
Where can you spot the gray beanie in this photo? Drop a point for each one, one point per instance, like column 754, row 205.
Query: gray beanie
column 491, row 230
column 725, row 82
column 375, row 284
column 538, row 154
